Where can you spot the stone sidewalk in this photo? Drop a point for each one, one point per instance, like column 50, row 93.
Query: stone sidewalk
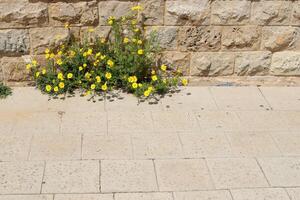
column 208, row 143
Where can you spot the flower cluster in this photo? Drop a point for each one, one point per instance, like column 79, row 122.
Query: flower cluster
column 126, row 59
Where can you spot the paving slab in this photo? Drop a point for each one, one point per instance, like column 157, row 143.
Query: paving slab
column 203, row 195
column 107, row 147
column 55, row 147
column 83, row 197
column 229, row 173
column 128, row 176
column 260, row 194
column 292, row 118
column 289, row 144
column 144, row 196
column 21, row 177
column 71, row 177
column 183, row 175
column 294, row 193
column 282, row 172
column 7, row 122
column 26, row 197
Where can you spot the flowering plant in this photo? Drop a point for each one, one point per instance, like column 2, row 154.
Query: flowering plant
column 126, row 59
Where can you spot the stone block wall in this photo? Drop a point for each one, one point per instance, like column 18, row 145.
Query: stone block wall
column 203, row 37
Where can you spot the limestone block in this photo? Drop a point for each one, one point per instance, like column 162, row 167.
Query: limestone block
column 14, row 41
column 286, row 63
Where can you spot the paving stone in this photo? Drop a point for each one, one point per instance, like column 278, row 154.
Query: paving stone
column 178, row 175
column 129, row 122
column 156, row 146
column 83, row 197
column 71, row 177
column 260, row 194
column 289, row 144
column 55, row 147
column 106, row 147
column 127, row 176
column 294, row 193
column 21, row 177
column 292, row 119
column 143, row 196
column 282, row 98
column 205, row 145
column 281, row 172
column 174, row 121
column 229, row 173
column 7, row 121
column 84, row 123
column 218, row 121
column 239, row 98
column 255, row 144
column 26, row 197
column 203, row 195
column 14, row 147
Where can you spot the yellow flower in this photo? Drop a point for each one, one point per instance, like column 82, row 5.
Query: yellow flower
column 126, row 40
column 80, row 68
column 134, row 40
column 108, row 75
column 84, row 54
column 93, row 86
column 55, row 89
column 34, row 63
column 72, row 53
column 110, row 63
column 133, row 22
column 61, row 85
column 136, row 8
column 98, row 54
column 140, row 52
column 110, row 22
column 140, row 85
column 37, row 74
column 102, row 40
column 48, row 88
column 89, row 52
column 147, row 93
column 140, row 42
column 52, row 55
column 136, row 30
column 67, row 25
column 47, row 51
column 60, row 76
column 44, row 71
column 184, row 82
column 134, row 85
column 70, row 75
column 103, row 57
column 28, row 66
column 91, row 30
column 98, row 79
column 163, row 67
column 59, row 62
column 130, row 79
column 150, row 88
column 87, row 93
column 134, row 79
column 47, row 56
column 153, row 72
column 87, row 75
column 154, row 78
column 84, row 65
column 104, row 87
column 59, row 53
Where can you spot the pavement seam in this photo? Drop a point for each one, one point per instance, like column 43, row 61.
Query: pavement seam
column 30, row 147
column 210, row 173
column 261, row 169
column 155, row 172
column 264, row 97
column 42, row 183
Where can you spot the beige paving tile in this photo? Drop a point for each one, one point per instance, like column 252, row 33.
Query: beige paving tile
column 129, row 122
column 281, row 172
column 84, row 123
column 255, row 144
column 203, row 195
column 127, row 176
column 182, row 175
column 218, row 121
column 37, row 123
column 7, row 121
column 21, row 177
column 260, row 194
column 282, row 98
column 143, row 196
column 156, row 146
column 174, row 121
column 239, row 98
column 205, row 145
column 289, row 144
column 71, row 177
column 106, row 147
column 294, row 193
column 236, row 173
column 14, row 147
column 262, row 121
column 26, row 197
column 292, row 118
column 55, row 147
column 83, row 197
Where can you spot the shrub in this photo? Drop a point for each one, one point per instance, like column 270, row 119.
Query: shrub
column 127, row 59
column 4, row 91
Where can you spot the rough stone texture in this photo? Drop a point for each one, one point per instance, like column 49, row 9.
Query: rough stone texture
column 230, row 12
column 212, row 64
column 177, row 60
column 253, row 63
column 189, row 12
column 271, row 12
column 81, row 13
column 201, row 38
column 296, row 14
column 286, row 63
column 153, row 11
column 167, row 36
column 13, row 69
column 14, row 41
column 22, row 14
column 241, row 38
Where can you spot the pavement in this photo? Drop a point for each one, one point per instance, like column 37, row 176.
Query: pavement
column 208, row 143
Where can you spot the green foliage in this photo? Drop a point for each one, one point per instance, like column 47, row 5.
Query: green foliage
column 126, row 59
column 4, row 91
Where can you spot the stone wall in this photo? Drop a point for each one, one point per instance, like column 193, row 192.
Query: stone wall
column 204, row 37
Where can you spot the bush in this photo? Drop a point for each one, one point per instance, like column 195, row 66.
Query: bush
column 127, row 59
column 4, row 91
